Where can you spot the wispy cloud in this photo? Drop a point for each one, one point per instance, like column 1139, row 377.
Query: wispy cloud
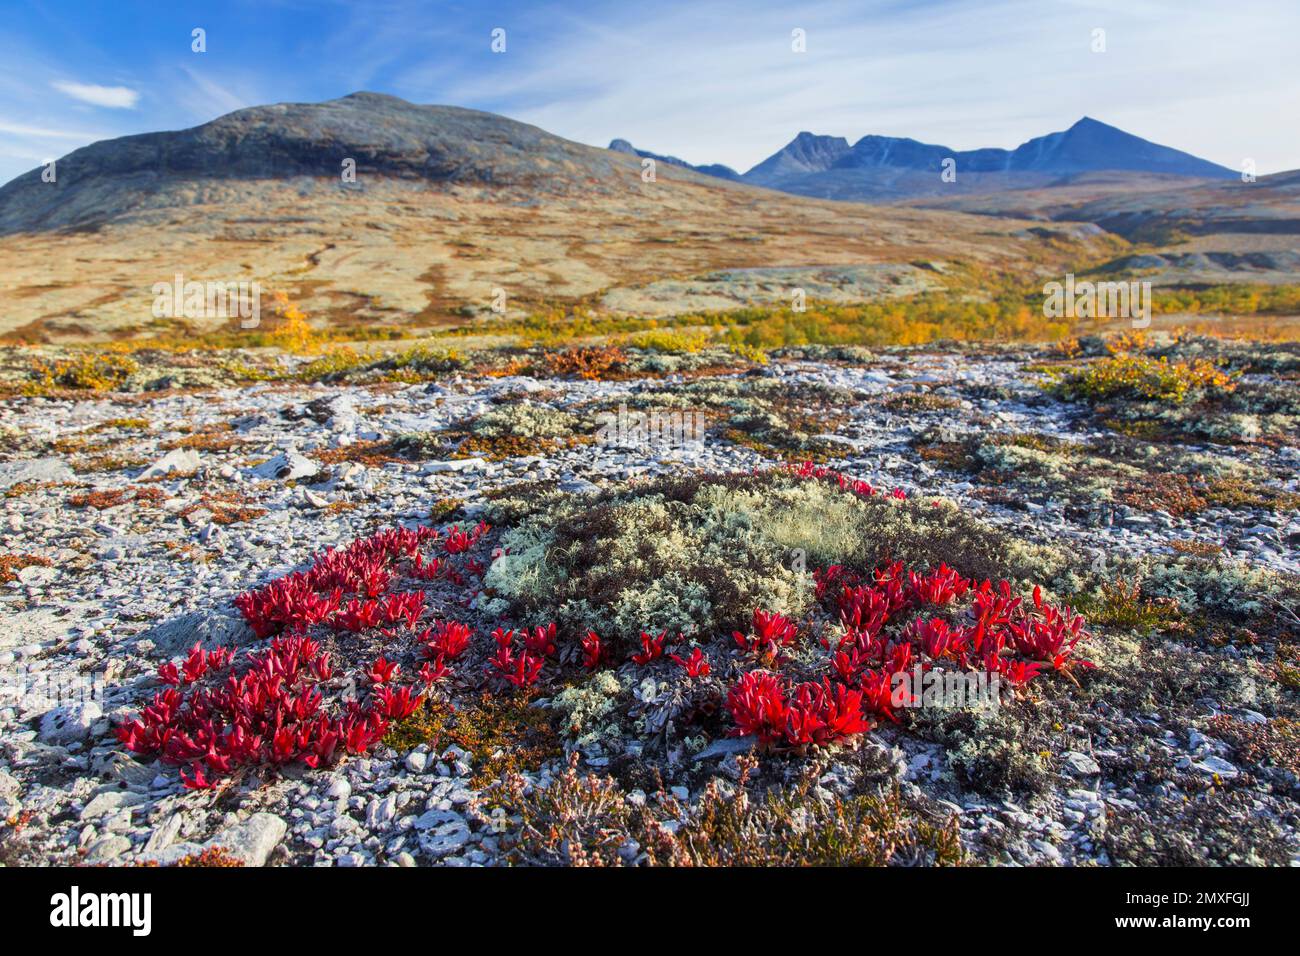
column 112, row 97
column 23, row 129
column 720, row 82
column 710, row 82
column 205, row 98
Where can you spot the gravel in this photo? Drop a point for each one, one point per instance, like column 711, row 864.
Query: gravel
column 133, row 584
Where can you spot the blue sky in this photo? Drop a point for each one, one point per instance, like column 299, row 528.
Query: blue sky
column 707, row 81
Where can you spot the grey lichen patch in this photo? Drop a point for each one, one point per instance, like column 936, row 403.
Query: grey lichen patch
column 590, row 710
column 697, row 555
column 644, row 562
column 1227, row 588
column 527, row 419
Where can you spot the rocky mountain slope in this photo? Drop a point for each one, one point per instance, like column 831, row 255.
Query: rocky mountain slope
column 384, row 136
column 1202, row 232
column 448, row 207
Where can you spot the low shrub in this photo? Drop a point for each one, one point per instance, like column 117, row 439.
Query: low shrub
column 1132, row 376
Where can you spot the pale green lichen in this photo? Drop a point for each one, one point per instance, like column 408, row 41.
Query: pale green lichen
column 652, row 565
column 587, row 708
column 1223, row 587
column 527, row 419
column 698, row 555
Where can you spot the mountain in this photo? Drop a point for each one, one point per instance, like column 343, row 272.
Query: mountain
column 1089, row 145
column 716, row 169
column 448, row 205
column 806, row 153
column 882, row 168
column 385, row 136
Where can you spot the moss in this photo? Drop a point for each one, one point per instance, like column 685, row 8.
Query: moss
column 785, row 445
column 996, row 750
column 1240, row 493
column 576, row 820
column 953, row 455
column 1196, row 548
column 211, row 439
column 1135, row 473
column 919, row 402
column 416, row 364
column 509, row 430
column 1121, row 605
column 1133, row 429
column 372, row 454
column 1155, row 674
column 1169, row 492
column 111, row 462
column 21, row 488
column 211, row 857
column 418, row 446
column 99, row 500
column 785, row 421
column 505, row 734
column 132, row 424
column 1273, row 744
column 1034, row 466
column 596, row 362
column 1214, row 828
column 445, row 509
column 333, row 366
column 112, row 497
column 672, row 341
column 847, row 354
column 654, row 362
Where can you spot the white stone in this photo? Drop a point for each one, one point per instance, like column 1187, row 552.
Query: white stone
column 176, row 461
column 287, row 466
column 1080, row 764
column 70, row 722
column 416, row 761
column 252, row 840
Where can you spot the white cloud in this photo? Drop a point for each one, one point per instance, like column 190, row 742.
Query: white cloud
column 720, row 83
column 113, row 97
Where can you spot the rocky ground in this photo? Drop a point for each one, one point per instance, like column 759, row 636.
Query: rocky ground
column 133, row 518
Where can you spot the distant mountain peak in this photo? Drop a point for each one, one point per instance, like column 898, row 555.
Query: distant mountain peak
column 806, row 153
column 816, row 165
column 716, row 170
